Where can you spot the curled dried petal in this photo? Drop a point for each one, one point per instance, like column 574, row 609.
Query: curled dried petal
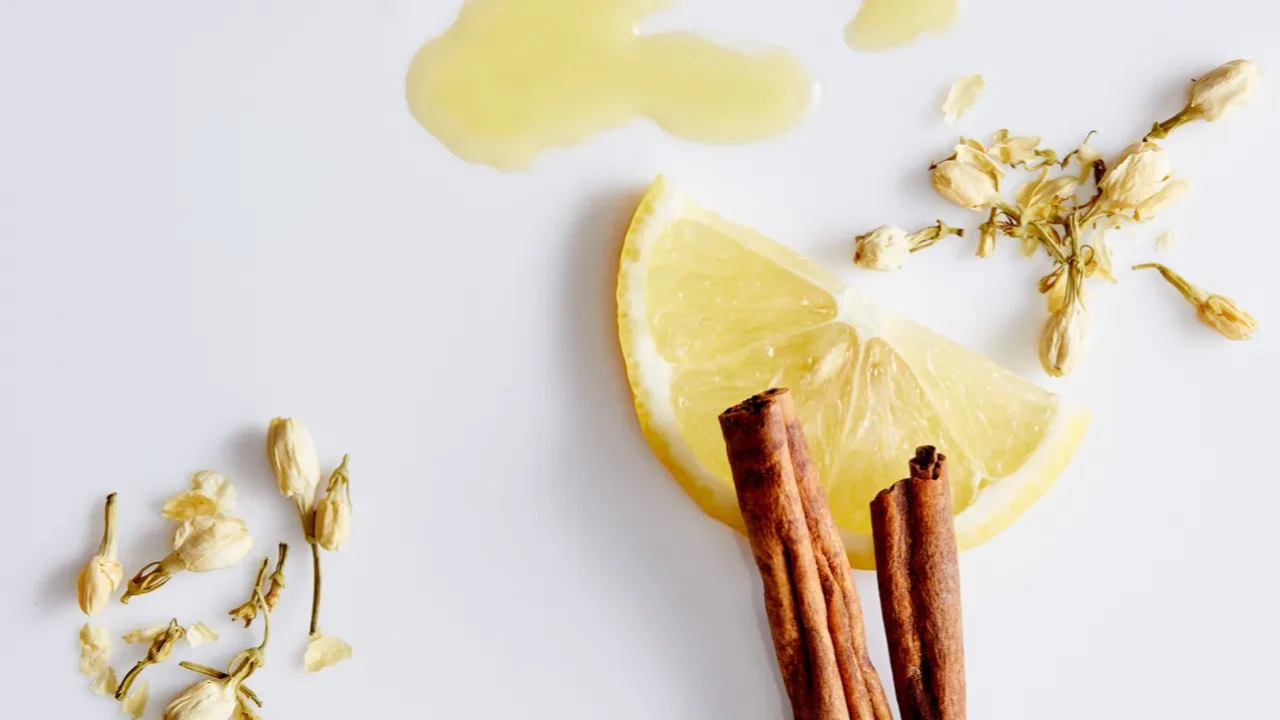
column 324, row 651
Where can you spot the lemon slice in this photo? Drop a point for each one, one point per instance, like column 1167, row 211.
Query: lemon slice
column 710, row 313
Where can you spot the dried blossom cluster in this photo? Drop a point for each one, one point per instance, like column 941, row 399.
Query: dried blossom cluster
column 207, row 538
column 1066, row 209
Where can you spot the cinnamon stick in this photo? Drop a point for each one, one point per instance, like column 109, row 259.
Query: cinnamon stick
column 810, row 599
column 919, row 577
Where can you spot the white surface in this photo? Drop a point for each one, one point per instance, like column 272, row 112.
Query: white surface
column 212, row 213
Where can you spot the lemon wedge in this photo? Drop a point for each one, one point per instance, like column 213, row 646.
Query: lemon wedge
column 710, row 313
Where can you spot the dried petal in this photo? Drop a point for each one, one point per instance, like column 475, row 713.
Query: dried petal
column 964, row 93
column 95, row 649
column 1174, row 190
column 324, row 651
column 1166, row 241
column 1103, row 258
column 199, row 634
column 146, row 634
column 135, row 704
column 105, row 683
column 210, row 494
column 1015, row 151
column 970, row 152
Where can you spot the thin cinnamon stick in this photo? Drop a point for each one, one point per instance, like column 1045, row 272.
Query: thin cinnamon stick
column 919, row 576
column 810, row 599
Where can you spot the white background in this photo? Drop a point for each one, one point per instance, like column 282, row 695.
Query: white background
column 215, row 212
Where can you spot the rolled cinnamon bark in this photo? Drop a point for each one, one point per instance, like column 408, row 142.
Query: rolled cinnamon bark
column 919, row 577
column 811, row 602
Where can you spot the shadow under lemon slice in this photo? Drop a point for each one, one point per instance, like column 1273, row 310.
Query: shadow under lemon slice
column 710, row 313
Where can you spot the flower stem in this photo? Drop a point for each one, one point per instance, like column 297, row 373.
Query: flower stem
column 108, row 546
column 315, row 585
column 1189, row 291
column 1161, row 130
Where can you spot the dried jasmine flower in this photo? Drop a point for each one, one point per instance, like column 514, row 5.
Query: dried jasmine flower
column 135, row 705
column 965, row 185
column 1065, row 338
column 295, row 465
column 325, row 651
column 964, row 94
column 210, row 494
column 1141, row 182
column 104, row 683
column 160, row 650
column 277, row 579
column 1216, row 311
column 333, row 512
column 248, row 612
column 103, row 573
column 885, row 248
column 297, row 469
column 199, row 634
column 201, row 544
column 1214, row 95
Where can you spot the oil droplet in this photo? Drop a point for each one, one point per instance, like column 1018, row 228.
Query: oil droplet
column 884, row 24
column 513, row 77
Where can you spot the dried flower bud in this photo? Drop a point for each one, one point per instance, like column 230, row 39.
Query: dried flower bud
column 293, row 459
column 210, row 494
column 1227, row 87
column 964, row 185
column 103, row 573
column 1216, row 311
column 211, row 543
column 1065, row 338
column 206, row 700
column 333, row 513
column 200, row 544
column 885, row 248
column 1138, row 179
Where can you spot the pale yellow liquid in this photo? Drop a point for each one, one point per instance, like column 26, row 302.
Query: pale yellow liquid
column 884, row 24
column 511, row 78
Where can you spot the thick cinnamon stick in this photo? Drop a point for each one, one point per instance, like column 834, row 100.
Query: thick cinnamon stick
column 919, row 577
column 810, row 598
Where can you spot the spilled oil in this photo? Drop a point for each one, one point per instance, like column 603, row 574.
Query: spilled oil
column 511, row 78
column 884, row 24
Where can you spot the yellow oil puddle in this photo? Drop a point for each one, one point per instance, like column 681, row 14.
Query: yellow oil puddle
column 512, row 78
